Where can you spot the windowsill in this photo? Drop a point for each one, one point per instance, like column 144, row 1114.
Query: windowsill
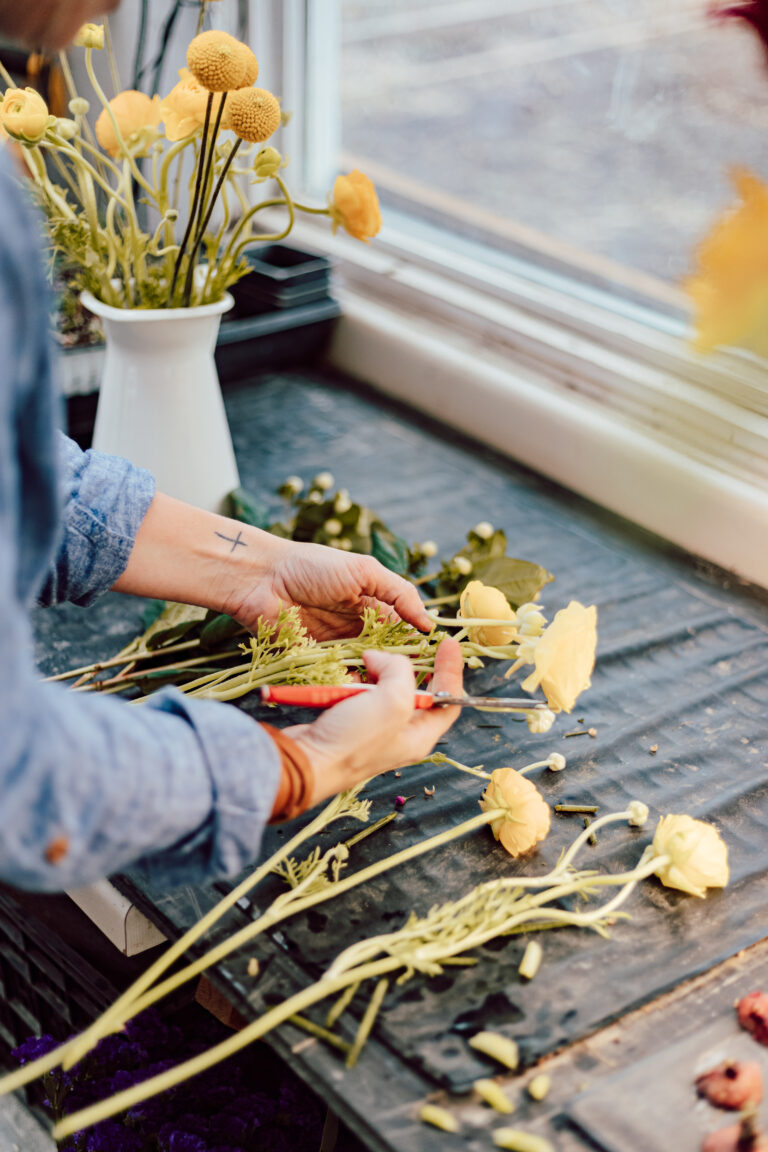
column 607, row 403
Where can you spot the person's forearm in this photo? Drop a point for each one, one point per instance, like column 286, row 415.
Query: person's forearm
column 185, row 554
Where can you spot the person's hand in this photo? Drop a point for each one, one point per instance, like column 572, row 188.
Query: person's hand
column 379, row 730
column 332, row 589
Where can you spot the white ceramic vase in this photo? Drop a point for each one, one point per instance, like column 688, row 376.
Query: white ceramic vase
column 160, row 403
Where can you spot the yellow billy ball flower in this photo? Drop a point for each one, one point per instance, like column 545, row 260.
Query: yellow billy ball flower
column 355, row 206
column 697, row 856
column 251, row 74
column 526, row 817
column 564, row 657
column 137, row 118
column 487, row 603
column 24, row 115
column 183, row 109
column 253, row 114
column 216, row 61
column 90, row 36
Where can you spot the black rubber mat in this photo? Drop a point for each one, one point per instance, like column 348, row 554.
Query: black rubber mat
column 682, row 667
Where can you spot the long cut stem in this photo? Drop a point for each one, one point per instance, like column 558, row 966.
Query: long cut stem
column 195, row 196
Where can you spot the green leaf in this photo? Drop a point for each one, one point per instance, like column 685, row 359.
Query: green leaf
column 218, row 630
column 389, row 550
column 240, row 505
column 519, row 580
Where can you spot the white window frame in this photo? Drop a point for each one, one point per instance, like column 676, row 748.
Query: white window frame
column 602, row 395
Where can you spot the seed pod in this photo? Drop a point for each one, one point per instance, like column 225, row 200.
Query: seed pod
column 515, row 1140
column 494, row 1095
column 499, row 1047
column 439, row 1117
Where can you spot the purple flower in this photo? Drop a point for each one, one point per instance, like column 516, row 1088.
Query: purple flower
column 111, row 1136
column 34, row 1048
column 177, row 1141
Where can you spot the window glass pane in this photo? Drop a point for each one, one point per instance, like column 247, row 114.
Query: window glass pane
column 599, row 132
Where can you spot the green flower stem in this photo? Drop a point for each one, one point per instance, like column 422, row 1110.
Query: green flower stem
column 57, row 146
column 6, row 76
column 367, row 1022
column 439, row 758
column 320, row 1032
column 239, row 1040
column 195, row 196
column 311, row 211
column 436, row 601
column 136, row 172
column 291, row 903
column 113, row 70
column 37, row 168
column 346, row 971
column 123, row 658
column 76, row 1049
column 127, row 678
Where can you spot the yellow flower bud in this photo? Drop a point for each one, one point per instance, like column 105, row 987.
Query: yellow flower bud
column 484, row 530
column 355, row 206
column 216, row 61
column 323, row 481
column 67, row 129
column 564, row 657
column 428, row 549
column 90, row 36
column 463, row 565
column 484, row 602
column 526, row 817
column 697, row 856
column 556, row 763
column 268, row 163
column 24, row 115
column 333, row 527
column 79, row 106
column 540, row 721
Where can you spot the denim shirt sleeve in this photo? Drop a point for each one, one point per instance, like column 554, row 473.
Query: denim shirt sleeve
column 104, row 500
column 90, row 785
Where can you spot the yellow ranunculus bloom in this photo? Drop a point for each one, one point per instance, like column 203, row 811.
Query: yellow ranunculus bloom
column 564, row 657
column 24, row 115
column 527, row 816
column 355, row 206
column 137, row 118
column 730, row 287
column 698, row 857
column 90, row 36
column 183, row 109
column 484, row 602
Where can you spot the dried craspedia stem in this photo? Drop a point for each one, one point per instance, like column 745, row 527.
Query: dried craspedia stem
column 216, row 61
column 501, row 1048
column 253, row 114
column 439, row 1118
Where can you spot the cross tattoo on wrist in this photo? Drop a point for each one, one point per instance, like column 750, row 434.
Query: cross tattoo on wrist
column 234, row 541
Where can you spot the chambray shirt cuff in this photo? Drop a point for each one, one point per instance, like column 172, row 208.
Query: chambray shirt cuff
column 245, row 769
column 105, row 499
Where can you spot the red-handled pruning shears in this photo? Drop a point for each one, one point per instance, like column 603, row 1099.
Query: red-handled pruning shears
column 326, row 695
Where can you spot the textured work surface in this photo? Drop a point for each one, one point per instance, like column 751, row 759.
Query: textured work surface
column 682, row 664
